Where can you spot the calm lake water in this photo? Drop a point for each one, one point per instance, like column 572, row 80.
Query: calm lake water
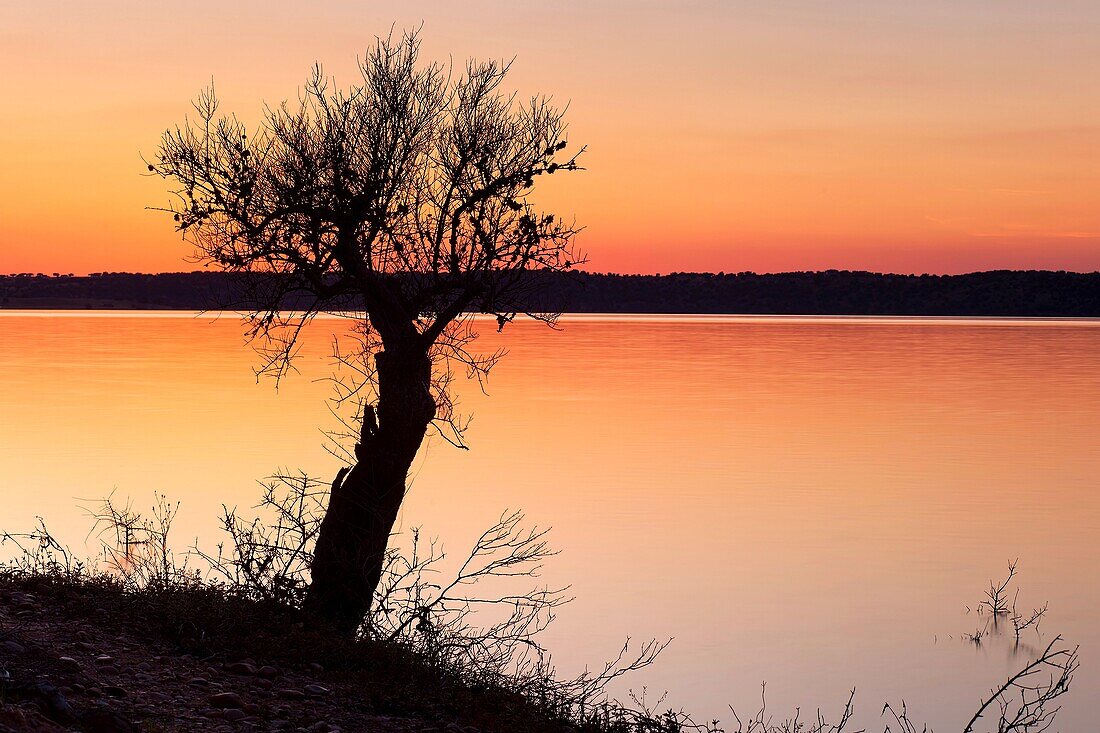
column 810, row 502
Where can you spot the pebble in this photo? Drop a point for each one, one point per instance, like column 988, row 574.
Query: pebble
column 13, row 647
column 291, row 694
column 241, row 668
column 234, row 714
column 69, row 663
column 317, row 690
column 104, row 659
column 114, row 691
column 267, row 671
column 104, row 720
column 226, row 700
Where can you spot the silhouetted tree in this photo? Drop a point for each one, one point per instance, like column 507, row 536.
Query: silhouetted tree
column 404, row 198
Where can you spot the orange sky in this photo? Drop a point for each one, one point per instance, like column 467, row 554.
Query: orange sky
column 936, row 136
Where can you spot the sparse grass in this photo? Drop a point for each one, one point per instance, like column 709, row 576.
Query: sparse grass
column 423, row 657
column 213, row 621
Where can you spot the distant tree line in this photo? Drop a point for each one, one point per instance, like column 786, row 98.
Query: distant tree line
column 831, row 292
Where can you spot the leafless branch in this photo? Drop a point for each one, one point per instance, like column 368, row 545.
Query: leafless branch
column 1026, row 702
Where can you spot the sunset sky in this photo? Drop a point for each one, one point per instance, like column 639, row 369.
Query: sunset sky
column 932, row 136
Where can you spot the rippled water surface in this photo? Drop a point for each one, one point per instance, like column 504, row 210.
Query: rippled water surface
column 811, row 502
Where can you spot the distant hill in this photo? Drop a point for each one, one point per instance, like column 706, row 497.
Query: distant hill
column 832, row 292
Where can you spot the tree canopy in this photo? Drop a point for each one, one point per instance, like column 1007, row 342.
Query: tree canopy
column 404, row 199
column 406, row 195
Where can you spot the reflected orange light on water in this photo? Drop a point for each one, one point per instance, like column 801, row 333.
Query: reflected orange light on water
column 808, row 501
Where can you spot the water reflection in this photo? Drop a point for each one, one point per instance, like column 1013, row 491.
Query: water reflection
column 810, row 502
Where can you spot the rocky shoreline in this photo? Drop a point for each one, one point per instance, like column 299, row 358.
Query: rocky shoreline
column 86, row 658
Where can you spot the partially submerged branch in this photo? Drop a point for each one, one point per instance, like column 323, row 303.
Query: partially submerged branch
column 1027, row 701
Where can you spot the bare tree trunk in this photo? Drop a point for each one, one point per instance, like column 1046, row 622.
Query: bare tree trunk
column 363, row 507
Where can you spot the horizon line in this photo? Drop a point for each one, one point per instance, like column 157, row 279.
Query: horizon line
column 719, row 273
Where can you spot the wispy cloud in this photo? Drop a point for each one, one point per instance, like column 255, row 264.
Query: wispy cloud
column 1030, row 231
column 1004, row 191
column 1074, row 135
column 1034, row 234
